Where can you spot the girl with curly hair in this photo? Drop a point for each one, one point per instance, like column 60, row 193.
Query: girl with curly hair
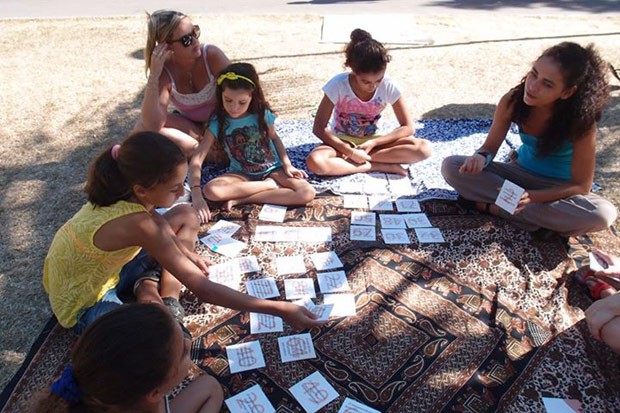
column 556, row 108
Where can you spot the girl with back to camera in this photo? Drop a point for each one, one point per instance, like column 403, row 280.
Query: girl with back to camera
column 128, row 361
column 556, row 108
column 118, row 248
column 260, row 169
column 182, row 72
column 355, row 100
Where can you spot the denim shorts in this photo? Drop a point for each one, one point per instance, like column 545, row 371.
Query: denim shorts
column 119, row 295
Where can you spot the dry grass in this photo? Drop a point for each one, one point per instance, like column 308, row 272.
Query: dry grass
column 70, row 87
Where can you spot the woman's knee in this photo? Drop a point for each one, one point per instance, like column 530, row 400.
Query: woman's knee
column 450, row 167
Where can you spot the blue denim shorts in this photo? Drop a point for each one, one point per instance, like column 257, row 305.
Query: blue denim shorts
column 119, row 295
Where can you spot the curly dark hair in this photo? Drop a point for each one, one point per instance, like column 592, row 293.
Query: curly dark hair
column 572, row 117
column 364, row 54
column 258, row 105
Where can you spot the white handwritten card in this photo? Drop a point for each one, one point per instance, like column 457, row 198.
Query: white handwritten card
column 245, row 356
column 223, row 245
column 249, row 401
column 274, row 213
column 380, row 203
column 332, row 282
column 362, row 233
column 392, row 221
column 407, row 205
column 417, row 220
column 429, row 235
column 325, row 260
column 509, row 196
column 247, row 264
column 323, row 311
column 353, row 406
column 225, row 228
column 553, row 405
column 291, row 265
column 395, row 236
column 400, row 185
column 295, row 234
column 262, row 288
column 344, row 304
column 226, row 273
column 363, row 218
column 265, row 323
column 313, row 392
column 296, row 347
column 596, row 264
column 305, row 302
column 299, row 287
column 355, row 201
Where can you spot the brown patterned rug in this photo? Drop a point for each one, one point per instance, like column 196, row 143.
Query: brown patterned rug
column 488, row 321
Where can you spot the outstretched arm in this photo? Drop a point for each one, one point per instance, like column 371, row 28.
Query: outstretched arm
column 194, row 174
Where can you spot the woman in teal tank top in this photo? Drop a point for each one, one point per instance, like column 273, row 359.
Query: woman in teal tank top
column 556, row 107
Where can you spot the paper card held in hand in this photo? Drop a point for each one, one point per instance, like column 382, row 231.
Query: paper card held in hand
column 313, row 392
column 322, row 311
column 298, row 288
column 362, row 233
column 363, row 218
column 325, row 260
column 273, row 213
column 291, row 265
column 245, row 356
column 596, row 264
column 265, row 323
column 250, row 400
column 296, row 347
column 333, row 282
column 509, row 196
column 305, row 302
column 262, row 288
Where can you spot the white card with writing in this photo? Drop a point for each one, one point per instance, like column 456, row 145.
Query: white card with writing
column 296, row 347
column 429, row 235
column 417, row 220
column 265, row 323
column 509, row 196
column 226, row 273
column 553, row 405
column 596, row 264
column 408, row 205
column 313, row 392
column 296, row 234
column 363, row 218
column 245, row 356
column 223, row 245
column 305, row 302
column 353, row 406
column 355, row 201
column 333, row 282
column 325, row 260
column 344, row 304
column 380, row 203
column 250, row 400
column 362, row 233
column 262, row 288
column 323, row 311
column 400, row 185
column 395, row 236
column 273, row 213
column 392, row 221
column 299, row 288
column 291, row 265
column 247, row 264
column 224, row 228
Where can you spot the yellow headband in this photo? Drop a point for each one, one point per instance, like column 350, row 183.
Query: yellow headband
column 233, row 76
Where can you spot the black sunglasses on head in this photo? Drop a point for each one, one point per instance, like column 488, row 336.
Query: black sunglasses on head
column 188, row 39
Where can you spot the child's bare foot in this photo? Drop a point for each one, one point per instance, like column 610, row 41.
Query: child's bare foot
column 228, row 205
column 391, row 168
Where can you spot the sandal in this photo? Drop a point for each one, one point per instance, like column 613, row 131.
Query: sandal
column 175, row 308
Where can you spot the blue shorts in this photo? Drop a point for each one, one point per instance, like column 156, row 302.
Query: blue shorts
column 119, row 295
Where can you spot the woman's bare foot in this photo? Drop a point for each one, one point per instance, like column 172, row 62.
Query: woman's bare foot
column 391, row 168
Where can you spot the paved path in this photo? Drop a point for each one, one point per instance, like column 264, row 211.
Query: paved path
column 70, row 8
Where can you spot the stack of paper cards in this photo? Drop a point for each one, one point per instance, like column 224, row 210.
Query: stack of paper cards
column 353, row 406
column 248, row 264
column 332, row 282
column 344, row 304
column 509, row 196
column 298, row 288
column 224, row 228
column 262, row 288
column 291, row 265
column 245, row 356
column 250, row 400
column 274, row 213
column 313, row 392
column 395, row 236
column 295, row 234
column 392, row 221
column 429, row 235
column 363, row 218
column 227, row 273
column 417, row 220
column 296, row 347
column 407, row 205
column 362, row 233
column 325, row 260
column 223, row 245
column 355, row 201
column 380, row 203
column 265, row 323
